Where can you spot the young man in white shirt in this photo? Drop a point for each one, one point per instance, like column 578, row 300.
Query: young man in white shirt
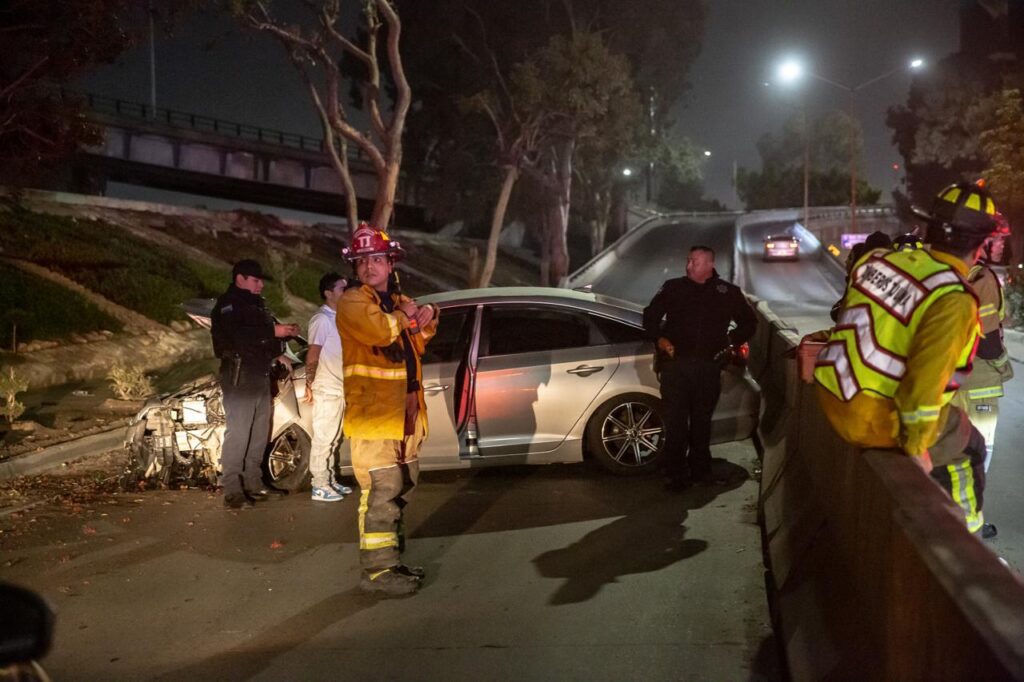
column 325, row 390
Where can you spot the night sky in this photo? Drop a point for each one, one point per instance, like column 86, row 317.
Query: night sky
column 210, row 67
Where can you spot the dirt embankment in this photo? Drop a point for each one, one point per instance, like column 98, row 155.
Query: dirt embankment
column 151, row 351
column 210, row 239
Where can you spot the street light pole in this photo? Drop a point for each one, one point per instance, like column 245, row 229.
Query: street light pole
column 853, row 167
column 791, row 71
column 807, row 168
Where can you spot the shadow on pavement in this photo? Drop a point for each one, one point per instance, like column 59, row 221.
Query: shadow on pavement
column 257, row 654
column 767, row 664
column 650, row 537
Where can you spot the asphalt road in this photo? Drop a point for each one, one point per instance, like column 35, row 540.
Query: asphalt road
column 801, row 292
column 556, row 572
column 660, row 254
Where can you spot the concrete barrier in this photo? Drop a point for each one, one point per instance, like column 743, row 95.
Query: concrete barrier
column 871, row 573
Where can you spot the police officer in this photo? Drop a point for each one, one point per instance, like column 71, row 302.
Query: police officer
column 247, row 340
column 689, row 319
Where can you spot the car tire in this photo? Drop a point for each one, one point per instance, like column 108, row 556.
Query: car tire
column 286, row 464
column 626, row 434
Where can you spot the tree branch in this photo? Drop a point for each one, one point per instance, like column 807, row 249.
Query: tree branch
column 397, row 70
column 13, row 85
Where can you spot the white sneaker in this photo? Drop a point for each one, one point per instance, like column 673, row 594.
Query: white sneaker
column 341, row 489
column 327, row 494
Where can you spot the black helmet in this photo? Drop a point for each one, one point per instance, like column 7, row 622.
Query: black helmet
column 962, row 215
column 907, row 242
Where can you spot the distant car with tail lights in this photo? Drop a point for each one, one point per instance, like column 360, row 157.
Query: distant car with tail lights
column 524, row 375
column 781, row 247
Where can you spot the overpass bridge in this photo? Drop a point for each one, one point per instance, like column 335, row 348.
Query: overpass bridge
column 188, row 152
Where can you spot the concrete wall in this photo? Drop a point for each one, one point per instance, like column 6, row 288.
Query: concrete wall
column 871, row 573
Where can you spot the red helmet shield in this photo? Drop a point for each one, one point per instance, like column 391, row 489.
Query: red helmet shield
column 369, row 241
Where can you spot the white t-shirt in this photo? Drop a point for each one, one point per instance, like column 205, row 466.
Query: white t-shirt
column 323, row 332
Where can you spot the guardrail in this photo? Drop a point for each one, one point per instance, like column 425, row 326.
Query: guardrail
column 844, row 211
column 871, row 573
column 144, row 113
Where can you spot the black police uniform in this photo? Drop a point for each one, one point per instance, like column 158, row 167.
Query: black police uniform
column 243, row 339
column 696, row 319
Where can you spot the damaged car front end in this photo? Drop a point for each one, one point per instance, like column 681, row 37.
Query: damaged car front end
column 176, row 439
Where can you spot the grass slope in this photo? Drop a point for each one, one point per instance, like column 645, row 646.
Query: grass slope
column 45, row 311
column 150, row 279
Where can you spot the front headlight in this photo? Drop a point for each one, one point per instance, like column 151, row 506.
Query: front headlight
column 193, row 411
column 143, row 413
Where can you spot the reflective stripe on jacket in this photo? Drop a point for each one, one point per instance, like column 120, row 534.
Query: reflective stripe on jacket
column 991, row 299
column 375, row 387
column 991, row 366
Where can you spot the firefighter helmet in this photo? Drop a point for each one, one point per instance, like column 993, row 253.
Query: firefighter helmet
column 369, row 241
column 962, row 215
column 907, row 242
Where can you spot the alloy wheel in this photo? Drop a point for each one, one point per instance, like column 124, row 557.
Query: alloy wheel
column 285, row 456
column 632, row 434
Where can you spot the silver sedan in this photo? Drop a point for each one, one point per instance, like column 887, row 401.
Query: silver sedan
column 513, row 376
column 531, row 375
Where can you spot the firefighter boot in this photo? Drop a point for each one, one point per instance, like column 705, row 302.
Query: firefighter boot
column 388, row 582
column 410, row 571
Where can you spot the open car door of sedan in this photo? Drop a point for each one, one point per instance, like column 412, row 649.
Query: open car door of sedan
column 540, row 368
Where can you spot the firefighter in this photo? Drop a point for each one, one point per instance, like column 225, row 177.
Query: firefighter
column 383, row 335
column 875, row 240
column 689, row 320
column 979, row 394
column 247, row 340
column 904, row 341
column 907, row 242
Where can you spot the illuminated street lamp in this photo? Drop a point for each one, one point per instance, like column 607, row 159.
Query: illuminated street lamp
column 791, row 70
column 627, row 172
column 707, row 152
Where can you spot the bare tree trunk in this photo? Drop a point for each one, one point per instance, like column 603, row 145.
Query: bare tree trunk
column 384, row 202
column 497, row 221
column 545, row 247
column 599, row 223
column 558, row 246
column 317, row 48
column 474, row 268
column 618, row 221
column 559, row 211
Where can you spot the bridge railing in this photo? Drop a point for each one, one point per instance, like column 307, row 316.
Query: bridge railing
column 145, row 113
column 871, row 571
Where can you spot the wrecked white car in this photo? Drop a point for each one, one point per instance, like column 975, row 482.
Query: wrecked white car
column 176, row 439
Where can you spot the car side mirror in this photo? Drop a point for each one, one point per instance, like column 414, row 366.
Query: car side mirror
column 26, row 630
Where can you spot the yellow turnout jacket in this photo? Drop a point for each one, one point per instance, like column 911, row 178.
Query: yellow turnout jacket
column 375, row 387
column 905, row 340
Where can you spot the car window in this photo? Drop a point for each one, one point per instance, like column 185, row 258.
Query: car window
column 534, row 329
column 453, row 330
column 617, row 332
